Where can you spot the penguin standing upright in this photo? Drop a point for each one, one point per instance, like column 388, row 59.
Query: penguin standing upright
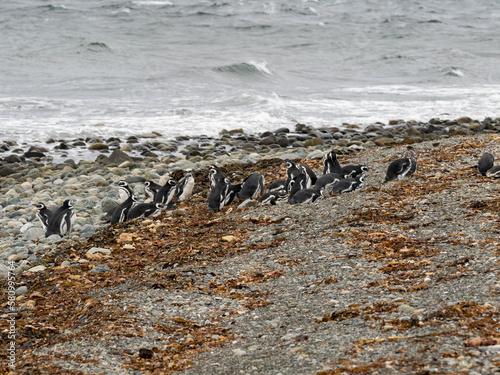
column 124, row 190
column 43, row 214
column 215, row 174
column 218, row 195
column 311, row 176
column 121, row 212
column 291, row 172
column 166, row 193
column 62, row 220
column 151, row 188
column 252, row 186
column 331, row 164
column 298, row 183
column 184, row 188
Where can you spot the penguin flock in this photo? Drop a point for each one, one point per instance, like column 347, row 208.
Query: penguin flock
column 302, row 185
column 163, row 197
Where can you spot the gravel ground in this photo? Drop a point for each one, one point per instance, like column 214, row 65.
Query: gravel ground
column 398, row 277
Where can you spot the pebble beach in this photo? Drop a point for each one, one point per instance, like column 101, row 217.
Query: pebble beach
column 324, row 293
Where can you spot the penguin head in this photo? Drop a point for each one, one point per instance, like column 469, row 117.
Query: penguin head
column 122, row 183
column 171, row 182
column 68, row 203
column 147, row 183
column 40, row 206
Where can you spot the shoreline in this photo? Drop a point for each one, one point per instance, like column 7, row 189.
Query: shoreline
column 197, row 149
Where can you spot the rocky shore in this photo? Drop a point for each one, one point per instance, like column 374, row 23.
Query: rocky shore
column 396, row 277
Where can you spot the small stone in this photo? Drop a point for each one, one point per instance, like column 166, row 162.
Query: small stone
column 384, row 141
column 66, row 263
column 297, row 349
column 406, row 309
column 101, row 268
column 94, row 250
column 16, row 257
column 34, row 233
column 239, row 352
column 37, row 269
column 316, row 141
column 229, row 238
column 98, row 146
column 21, row 290
column 146, row 353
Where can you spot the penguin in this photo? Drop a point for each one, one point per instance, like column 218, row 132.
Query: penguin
column 62, row 220
column 306, row 196
column 291, row 172
column 347, row 185
column 485, row 163
column 411, row 154
column 151, row 188
column 124, row 190
column 217, row 195
column 166, row 193
column 231, row 192
column 326, row 182
column 121, row 212
column 493, row 172
column 298, row 183
column 141, row 210
column 214, row 175
column 252, row 186
column 331, row 164
column 273, row 198
column 400, row 168
column 312, row 178
column 353, row 171
column 43, row 214
column 184, row 188
column 276, row 186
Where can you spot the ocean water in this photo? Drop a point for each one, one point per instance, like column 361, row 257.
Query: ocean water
column 192, row 67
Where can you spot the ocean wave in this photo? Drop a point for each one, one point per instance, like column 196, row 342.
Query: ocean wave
column 251, row 68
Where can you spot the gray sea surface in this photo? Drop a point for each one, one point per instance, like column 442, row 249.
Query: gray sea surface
column 191, row 67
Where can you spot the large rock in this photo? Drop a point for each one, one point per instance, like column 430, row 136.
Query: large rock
column 98, row 146
column 6, row 171
column 117, row 157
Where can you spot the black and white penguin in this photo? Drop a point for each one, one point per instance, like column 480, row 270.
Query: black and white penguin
column 291, row 172
column 353, row 171
column 485, row 163
column 252, row 186
column 326, row 182
column 411, row 154
column 276, row 186
column 331, row 164
column 124, row 190
column 166, row 193
column 43, row 214
column 273, row 198
column 214, row 175
column 299, row 182
column 400, row 168
column 217, row 195
column 121, row 212
column 141, row 210
column 306, row 196
column 307, row 170
column 231, row 192
column 62, row 220
column 348, row 185
column 184, row 188
column 493, row 172
column 151, row 188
